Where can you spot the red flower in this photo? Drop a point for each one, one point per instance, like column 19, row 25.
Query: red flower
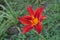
column 34, row 20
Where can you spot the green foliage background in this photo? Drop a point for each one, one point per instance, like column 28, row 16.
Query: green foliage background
column 11, row 9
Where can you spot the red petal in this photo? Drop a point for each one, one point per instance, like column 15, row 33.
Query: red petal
column 38, row 27
column 38, row 12
column 24, row 21
column 44, row 17
column 30, row 10
column 27, row 28
column 28, row 17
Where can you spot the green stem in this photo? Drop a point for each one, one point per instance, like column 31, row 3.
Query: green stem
column 38, row 35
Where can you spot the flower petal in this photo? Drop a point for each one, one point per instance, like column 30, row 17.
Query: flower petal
column 30, row 10
column 38, row 12
column 28, row 17
column 27, row 28
column 43, row 17
column 24, row 21
column 38, row 28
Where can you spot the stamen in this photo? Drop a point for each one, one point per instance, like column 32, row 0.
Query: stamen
column 34, row 21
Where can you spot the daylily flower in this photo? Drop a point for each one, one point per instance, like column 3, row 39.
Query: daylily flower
column 34, row 20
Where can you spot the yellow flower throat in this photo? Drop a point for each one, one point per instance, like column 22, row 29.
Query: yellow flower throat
column 34, row 21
